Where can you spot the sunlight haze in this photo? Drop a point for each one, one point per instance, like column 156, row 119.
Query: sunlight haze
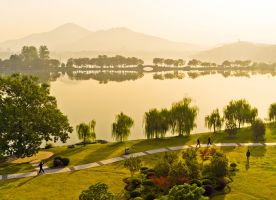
column 204, row 22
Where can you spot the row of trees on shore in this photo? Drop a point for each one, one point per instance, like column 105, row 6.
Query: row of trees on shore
column 37, row 58
column 31, row 57
column 105, row 61
column 180, row 119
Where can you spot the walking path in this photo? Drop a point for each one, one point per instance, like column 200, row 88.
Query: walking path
column 123, row 157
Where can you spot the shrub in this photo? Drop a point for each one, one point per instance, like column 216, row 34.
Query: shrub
column 233, row 166
column 136, row 182
column 208, row 190
column 60, row 162
column 186, row 192
column 65, row 161
column 150, row 174
column 178, row 173
column 192, row 164
column 219, row 164
column 99, row 191
column 138, row 198
column 57, row 162
column 197, row 182
column 170, row 157
column 258, row 129
column 221, row 184
column 148, row 183
column 134, row 194
column 150, row 197
column 207, row 182
column 49, row 146
column 162, row 168
column 133, row 164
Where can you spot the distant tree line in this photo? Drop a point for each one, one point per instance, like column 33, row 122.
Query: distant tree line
column 104, row 61
column 30, row 57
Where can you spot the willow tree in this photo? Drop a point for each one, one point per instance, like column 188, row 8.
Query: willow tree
column 240, row 112
column 156, row 123
column 272, row 112
column 214, row 120
column 86, row 131
column 121, row 127
column 182, row 117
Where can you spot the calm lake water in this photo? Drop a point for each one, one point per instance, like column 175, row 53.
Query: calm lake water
column 83, row 100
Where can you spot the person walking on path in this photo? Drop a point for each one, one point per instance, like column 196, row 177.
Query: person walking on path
column 41, row 170
column 209, row 141
column 198, row 143
column 247, row 155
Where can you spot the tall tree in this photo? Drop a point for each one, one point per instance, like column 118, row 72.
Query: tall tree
column 240, row 112
column 121, row 128
column 29, row 55
column 214, row 120
column 86, row 131
column 29, row 116
column 44, row 53
column 183, row 116
column 272, row 112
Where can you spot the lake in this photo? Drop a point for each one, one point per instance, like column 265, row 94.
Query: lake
column 84, row 100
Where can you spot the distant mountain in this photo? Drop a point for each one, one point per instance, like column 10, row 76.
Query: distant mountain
column 239, row 51
column 73, row 38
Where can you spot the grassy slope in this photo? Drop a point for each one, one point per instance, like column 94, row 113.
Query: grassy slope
column 96, row 152
column 258, row 182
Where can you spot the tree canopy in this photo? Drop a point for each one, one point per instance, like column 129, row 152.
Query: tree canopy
column 272, row 112
column 121, row 128
column 240, row 112
column 214, row 120
column 86, row 131
column 29, row 116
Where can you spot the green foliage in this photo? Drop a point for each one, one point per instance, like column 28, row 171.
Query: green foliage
column 28, row 115
column 99, row 191
column 191, row 162
column 170, row 157
column 162, row 168
column 133, row 164
column 231, row 127
column 178, row 173
column 214, row 120
column 44, row 53
column 272, row 112
column 86, row 131
column 156, row 123
column 258, row 129
column 183, row 116
column 240, row 112
column 121, row 128
column 219, row 164
column 186, row 192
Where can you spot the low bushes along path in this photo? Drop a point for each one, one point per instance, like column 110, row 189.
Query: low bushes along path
column 123, row 157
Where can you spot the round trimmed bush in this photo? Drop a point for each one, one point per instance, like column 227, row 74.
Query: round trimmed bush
column 221, row 184
column 197, row 182
column 57, row 162
column 208, row 190
column 148, row 183
column 207, row 182
column 150, row 197
column 134, row 194
column 136, row 182
column 65, row 161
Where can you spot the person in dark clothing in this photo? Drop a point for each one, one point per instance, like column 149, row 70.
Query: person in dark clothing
column 198, row 143
column 209, row 141
column 248, row 155
column 41, row 170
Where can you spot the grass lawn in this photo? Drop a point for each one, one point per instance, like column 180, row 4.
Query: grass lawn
column 256, row 182
column 96, row 152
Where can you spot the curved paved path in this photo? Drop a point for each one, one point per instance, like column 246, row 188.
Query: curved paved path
column 123, row 157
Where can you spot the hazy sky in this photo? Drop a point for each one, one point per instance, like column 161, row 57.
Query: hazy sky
column 194, row 21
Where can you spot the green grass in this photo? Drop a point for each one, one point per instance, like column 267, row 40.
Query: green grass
column 96, row 152
column 257, row 182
